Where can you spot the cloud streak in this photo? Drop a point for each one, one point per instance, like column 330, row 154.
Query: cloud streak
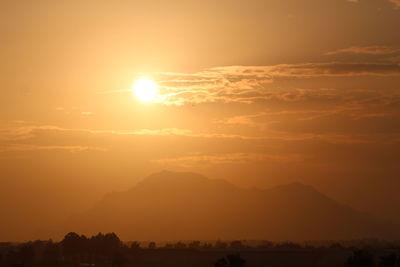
column 367, row 50
column 246, row 84
column 25, row 148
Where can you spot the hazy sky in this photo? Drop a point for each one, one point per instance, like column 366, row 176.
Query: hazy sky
column 259, row 92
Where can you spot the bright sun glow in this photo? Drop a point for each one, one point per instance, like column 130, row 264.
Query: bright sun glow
column 145, row 89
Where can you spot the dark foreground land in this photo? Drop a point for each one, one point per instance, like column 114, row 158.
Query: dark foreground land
column 229, row 257
column 108, row 251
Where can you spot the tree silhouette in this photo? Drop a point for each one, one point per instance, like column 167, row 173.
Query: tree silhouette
column 152, row 245
column 135, row 245
column 74, row 247
column 194, row 245
column 180, row 245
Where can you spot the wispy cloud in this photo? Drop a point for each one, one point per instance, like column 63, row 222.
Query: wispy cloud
column 187, row 133
column 15, row 135
column 367, row 50
column 27, row 147
column 246, row 84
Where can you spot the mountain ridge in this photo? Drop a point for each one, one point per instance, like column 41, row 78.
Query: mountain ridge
column 184, row 206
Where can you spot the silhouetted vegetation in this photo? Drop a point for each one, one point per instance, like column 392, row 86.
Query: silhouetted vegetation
column 107, row 250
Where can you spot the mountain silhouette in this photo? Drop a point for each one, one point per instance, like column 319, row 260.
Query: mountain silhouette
column 187, row 206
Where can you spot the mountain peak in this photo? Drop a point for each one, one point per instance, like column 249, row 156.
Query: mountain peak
column 167, row 174
column 172, row 178
column 191, row 206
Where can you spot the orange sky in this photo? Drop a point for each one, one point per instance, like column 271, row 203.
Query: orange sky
column 259, row 92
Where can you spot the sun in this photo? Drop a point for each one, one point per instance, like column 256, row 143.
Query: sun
column 145, row 89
